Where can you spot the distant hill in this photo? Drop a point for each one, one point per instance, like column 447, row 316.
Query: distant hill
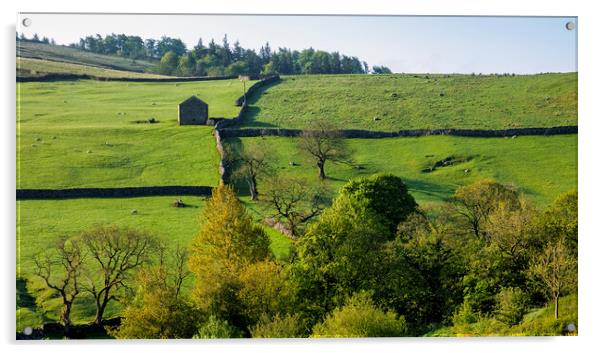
column 66, row 54
column 29, row 67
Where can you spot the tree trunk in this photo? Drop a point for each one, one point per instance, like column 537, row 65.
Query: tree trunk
column 321, row 168
column 252, row 188
column 475, row 228
column 66, row 316
column 556, row 306
column 293, row 229
column 100, row 310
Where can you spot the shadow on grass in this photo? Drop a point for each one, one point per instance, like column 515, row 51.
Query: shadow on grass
column 249, row 118
column 24, row 298
column 234, row 145
column 434, row 190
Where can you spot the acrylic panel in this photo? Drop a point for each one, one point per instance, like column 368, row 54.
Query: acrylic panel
column 287, row 176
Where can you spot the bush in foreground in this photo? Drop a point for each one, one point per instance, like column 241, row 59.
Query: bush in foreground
column 361, row 318
column 287, row 326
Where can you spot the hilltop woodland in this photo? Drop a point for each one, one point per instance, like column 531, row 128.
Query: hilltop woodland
column 372, row 263
column 213, row 59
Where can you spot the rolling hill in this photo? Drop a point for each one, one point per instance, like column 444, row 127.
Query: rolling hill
column 29, row 67
column 66, row 54
column 398, row 102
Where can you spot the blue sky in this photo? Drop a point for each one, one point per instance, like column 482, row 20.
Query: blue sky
column 405, row 44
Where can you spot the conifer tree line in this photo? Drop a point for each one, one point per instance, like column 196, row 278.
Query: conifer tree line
column 35, row 39
column 215, row 59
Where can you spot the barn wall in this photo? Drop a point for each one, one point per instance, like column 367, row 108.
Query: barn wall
column 193, row 113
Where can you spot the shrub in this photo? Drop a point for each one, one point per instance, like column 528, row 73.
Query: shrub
column 263, row 290
column 287, row 326
column 217, row 328
column 361, row 318
column 512, row 305
column 465, row 315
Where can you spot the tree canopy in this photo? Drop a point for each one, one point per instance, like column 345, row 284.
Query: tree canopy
column 213, row 59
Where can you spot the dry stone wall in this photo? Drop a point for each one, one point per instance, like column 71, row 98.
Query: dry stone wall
column 69, row 77
column 557, row 130
column 33, row 194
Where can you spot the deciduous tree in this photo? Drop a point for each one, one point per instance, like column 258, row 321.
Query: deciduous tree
column 294, row 201
column 227, row 242
column 251, row 162
column 476, row 201
column 385, row 194
column 60, row 271
column 322, row 143
column 158, row 309
column 115, row 254
column 340, row 253
column 556, row 268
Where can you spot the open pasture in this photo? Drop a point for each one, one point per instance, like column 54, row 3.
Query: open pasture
column 407, row 101
column 66, row 54
column 88, row 133
column 33, row 67
column 543, row 167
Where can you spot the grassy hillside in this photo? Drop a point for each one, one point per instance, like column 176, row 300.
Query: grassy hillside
column 84, row 133
column 75, row 56
column 542, row 167
column 36, row 67
column 538, row 322
column 395, row 102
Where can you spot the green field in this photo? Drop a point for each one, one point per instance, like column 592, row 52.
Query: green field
column 85, row 133
column 542, row 167
column 88, row 133
column 396, row 102
column 41, row 222
column 34, row 67
column 75, row 56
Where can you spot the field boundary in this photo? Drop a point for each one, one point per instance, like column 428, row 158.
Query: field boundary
column 78, row 193
column 240, row 101
column 53, row 77
column 223, row 176
column 529, row 131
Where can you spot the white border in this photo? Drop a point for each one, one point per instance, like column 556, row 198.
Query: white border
column 590, row 81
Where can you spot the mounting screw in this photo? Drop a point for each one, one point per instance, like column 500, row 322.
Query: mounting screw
column 570, row 25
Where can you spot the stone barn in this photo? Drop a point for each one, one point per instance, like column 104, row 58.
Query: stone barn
column 193, row 111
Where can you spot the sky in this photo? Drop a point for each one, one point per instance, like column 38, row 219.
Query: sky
column 410, row 44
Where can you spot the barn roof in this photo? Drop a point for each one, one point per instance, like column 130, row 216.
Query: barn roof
column 193, row 99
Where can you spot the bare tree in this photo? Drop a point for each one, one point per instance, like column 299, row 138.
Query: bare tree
column 556, row 269
column 293, row 201
column 116, row 253
column 251, row 162
column 68, row 259
column 323, row 143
